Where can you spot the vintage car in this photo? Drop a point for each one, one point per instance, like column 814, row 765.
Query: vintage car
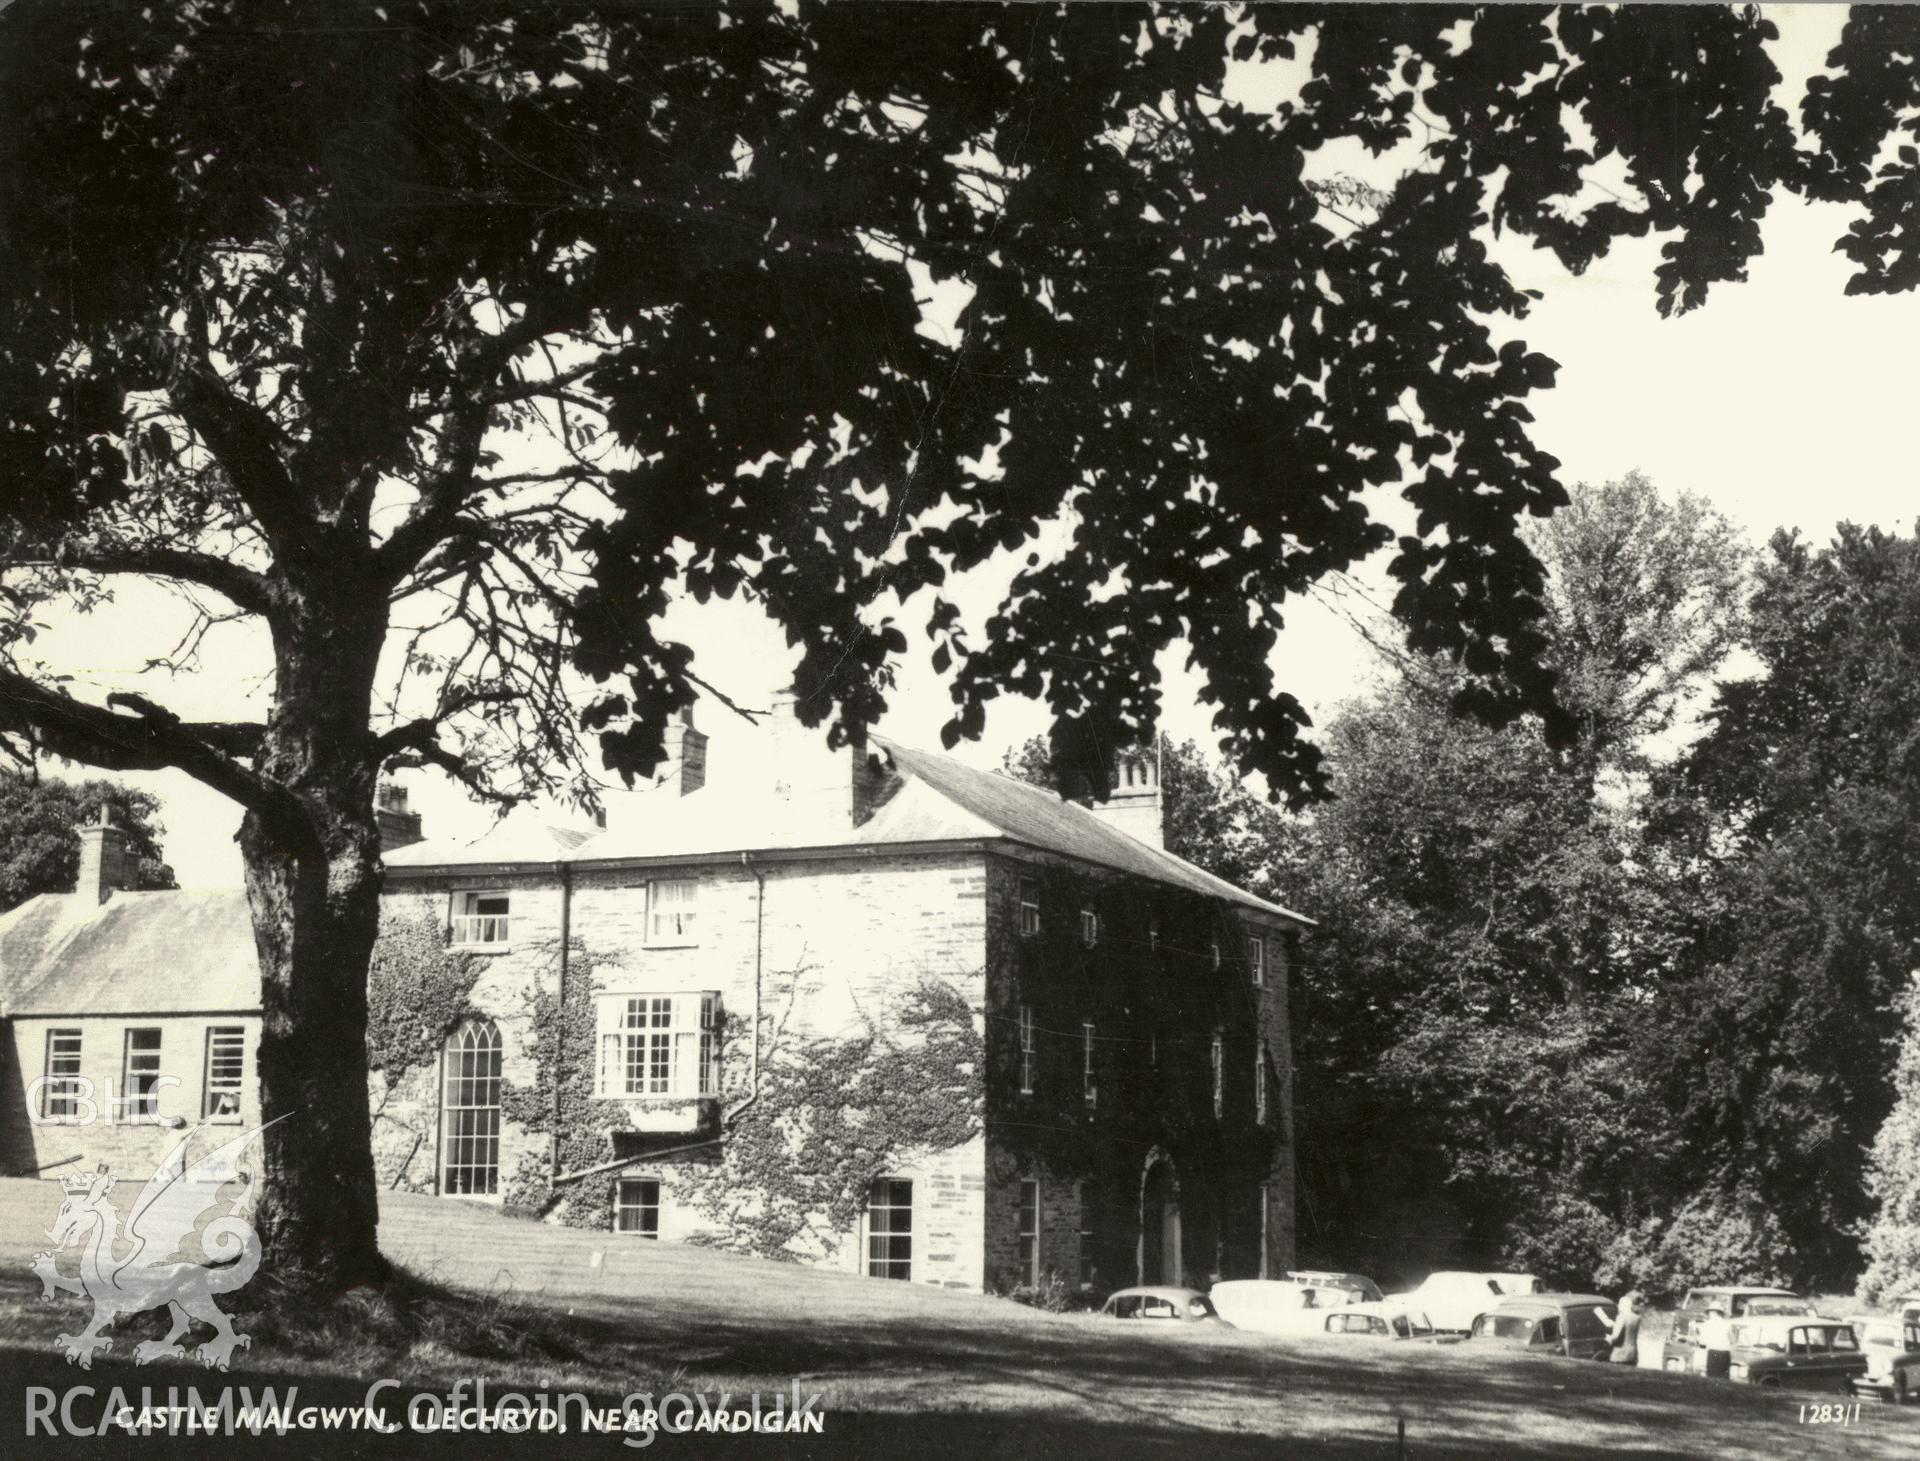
column 1359, row 1288
column 1907, row 1306
column 1455, row 1300
column 1274, row 1305
column 1683, row 1350
column 1576, row 1326
column 1377, row 1320
column 1892, row 1347
column 1174, row 1305
column 1795, row 1352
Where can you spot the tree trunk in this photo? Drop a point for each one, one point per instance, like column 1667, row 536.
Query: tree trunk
column 316, row 911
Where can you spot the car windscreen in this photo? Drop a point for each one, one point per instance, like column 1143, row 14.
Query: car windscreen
column 1503, row 1326
column 1199, row 1308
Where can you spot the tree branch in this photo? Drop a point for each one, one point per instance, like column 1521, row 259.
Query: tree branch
column 242, row 587
column 150, row 739
column 241, row 436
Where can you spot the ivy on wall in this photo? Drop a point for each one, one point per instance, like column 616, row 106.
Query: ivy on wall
column 792, row 1171
column 562, row 1031
column 1150, row 986
column 417, row 990
column 834, row 1114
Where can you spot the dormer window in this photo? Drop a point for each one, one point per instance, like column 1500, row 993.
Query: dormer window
column 1089, row 927
column 481, row 920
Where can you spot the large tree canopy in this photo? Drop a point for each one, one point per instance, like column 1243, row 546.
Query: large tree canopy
column 451, row 340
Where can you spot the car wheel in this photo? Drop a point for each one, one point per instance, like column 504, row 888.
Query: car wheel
column 1770, row 1383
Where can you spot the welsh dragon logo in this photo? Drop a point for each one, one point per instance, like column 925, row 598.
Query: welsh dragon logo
column 153, row 1271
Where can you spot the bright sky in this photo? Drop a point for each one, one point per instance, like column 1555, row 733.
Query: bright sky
column 1784, row 402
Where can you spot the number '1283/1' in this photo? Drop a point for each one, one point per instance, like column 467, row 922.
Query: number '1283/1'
column 1830, row 1414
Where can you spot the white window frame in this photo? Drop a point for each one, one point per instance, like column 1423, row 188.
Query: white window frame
column 1029, row 909
column 889, row 1232
column 1027, row 1230
column 229, row 1044
column 477, row 932
column 684, row 933
column 1215, row 946
column 140, row 1086
column 1219, row 1052
column 1257, row 959
column 471, row 1088
column 658, row 1046
column 1088, row 1086
column 1089, row 927
column 1027, row 1052
column 64, row 1083
column 621, row 1207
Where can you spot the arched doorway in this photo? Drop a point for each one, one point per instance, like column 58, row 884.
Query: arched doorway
column 1159, row 1221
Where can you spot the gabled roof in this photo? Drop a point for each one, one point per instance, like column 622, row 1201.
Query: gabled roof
column 136, row 953
column 1043, row 820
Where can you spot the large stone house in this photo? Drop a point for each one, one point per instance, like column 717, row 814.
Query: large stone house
column 874, row 1009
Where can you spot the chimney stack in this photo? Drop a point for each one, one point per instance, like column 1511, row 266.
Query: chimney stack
column 1134, row 804
column 685, row 768
column 105, row 865
column 398, row 826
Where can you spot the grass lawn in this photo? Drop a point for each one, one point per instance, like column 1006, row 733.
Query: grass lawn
column 903, row 1370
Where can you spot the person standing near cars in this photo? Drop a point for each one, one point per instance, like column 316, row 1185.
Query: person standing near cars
column 1715, row 1334
column 1623, row 1344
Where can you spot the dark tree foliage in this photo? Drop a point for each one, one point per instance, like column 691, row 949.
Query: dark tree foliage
column 39, row 833
column 289, row 288
column 1794, row 826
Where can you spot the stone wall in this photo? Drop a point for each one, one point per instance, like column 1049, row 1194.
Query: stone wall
column 1167, row 973
column 128, row 1147
column 832, row 943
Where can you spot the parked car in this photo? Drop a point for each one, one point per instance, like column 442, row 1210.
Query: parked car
column 1517, row 1285
column 1384, row 1319
column 1796, row 1352
column 1892, row 1347
column 1274, row 1305
column 1176, row 1305
column 1360, row 1288
column 1683, row 1350
column 1455, row 1300
column 1573, row 1325
column 1908, row 1308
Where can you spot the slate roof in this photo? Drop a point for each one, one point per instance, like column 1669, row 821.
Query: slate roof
column 137, row 953
column 1041, row 819
column 520, row 836
column 941, row 800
